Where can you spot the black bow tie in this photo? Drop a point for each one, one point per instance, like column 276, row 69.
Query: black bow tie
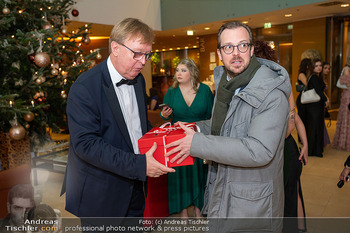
column 126, row 81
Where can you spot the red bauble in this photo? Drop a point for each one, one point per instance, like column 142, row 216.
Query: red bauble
column 75, row 12
column 31, row 57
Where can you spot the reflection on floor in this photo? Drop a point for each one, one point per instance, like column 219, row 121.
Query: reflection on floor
column 319, row 178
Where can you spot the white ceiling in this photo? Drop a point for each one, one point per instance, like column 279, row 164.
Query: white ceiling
column 306, row 12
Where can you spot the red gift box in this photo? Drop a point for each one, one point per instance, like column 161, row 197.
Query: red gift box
column 164, row 135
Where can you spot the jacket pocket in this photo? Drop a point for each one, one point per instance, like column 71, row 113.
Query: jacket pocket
column 240, row 129
column 252, row 204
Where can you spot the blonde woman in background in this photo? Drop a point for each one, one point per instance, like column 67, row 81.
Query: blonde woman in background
column 189, row 100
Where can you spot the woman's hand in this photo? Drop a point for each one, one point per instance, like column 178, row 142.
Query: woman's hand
column 166, row 112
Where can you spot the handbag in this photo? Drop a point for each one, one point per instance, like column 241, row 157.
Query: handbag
column 309, row 96
column 342, row 86
column 339, row 85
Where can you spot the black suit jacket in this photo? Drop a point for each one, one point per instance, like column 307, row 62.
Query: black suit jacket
column 102, row 167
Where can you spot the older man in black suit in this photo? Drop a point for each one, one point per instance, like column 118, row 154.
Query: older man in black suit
column 107, row 114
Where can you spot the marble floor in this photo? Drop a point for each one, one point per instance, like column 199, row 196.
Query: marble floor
column 322, row 197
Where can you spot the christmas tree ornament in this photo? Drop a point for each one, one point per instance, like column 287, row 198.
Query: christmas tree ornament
column 6, row 10
column 40, row 80
column 17, row 131
column 27, row 125
column 64, row 29
column 54, row 71
column 28, row 117
column 42, row 59
column 31, row 57
column 47, row 26
column 98, row 56
column 86, row 40
column 75, row 12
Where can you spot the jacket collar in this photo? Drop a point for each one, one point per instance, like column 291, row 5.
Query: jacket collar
column 269, row 77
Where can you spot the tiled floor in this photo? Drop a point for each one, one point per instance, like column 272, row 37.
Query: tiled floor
column 319, row 178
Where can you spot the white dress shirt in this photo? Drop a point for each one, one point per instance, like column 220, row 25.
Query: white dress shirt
column 128, row 104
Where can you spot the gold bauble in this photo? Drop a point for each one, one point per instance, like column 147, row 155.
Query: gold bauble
column 40, row 80
column 29, row 117
column 27, row 125
column 98, row 56
column 64, row 96
column 6, row 11
column 47, row 26
column 87, row 40
column 17, row 132
column 42, row 59
column 54, row 72
column 64, row 29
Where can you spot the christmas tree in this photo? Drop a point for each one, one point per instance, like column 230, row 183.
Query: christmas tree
column 39, row 61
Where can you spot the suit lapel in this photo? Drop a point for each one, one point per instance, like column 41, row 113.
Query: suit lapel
column 141, row 102
column 115, row 107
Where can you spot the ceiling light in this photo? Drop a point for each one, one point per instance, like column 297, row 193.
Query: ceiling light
column 344, row 5
column 194, row 46
column 171, row 49
column 288, row 15
column 190, row 32
column 245, row 22
column 207, row 28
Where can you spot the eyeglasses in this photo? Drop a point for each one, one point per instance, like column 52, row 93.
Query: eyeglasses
column 242, row 47
column 138, row 55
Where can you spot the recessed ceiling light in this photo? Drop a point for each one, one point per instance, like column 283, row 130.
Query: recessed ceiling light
column 207, row 28
column 344, row 5
column 244, row 22
column 190, row 32
column 288, row 15
column 171, row 49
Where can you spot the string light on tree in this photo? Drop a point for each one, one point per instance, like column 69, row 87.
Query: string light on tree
column 63, row 94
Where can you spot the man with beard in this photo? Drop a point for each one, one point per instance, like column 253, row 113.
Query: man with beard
column 20, row 200
column 244, row 139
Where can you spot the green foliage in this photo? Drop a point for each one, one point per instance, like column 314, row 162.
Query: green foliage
column 22, row 36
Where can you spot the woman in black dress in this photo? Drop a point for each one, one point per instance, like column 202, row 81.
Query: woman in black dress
column 294, row 211
column 305, row 70
column 314, row 116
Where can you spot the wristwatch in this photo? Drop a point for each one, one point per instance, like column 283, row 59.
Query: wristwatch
column 347, row 162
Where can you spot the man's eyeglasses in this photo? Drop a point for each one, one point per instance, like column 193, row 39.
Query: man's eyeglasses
column 138, row 55
column 242, row 47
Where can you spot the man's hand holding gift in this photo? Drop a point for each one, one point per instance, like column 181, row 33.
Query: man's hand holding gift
column 183, row 145
column 155, row 168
